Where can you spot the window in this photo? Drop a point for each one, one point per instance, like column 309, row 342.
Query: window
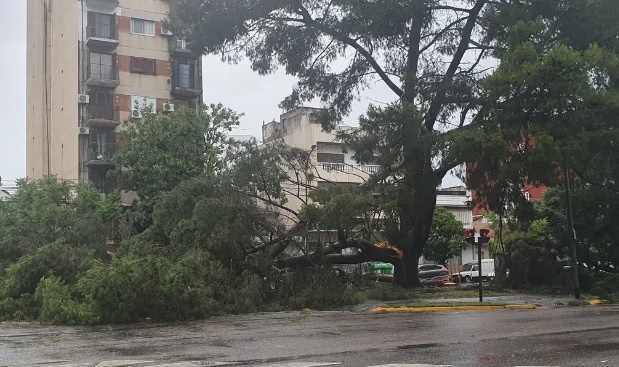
column 101, row 106
column 181, row 44
column 101, row 66
column 102, row 143
column 185, row 73
column 143, row 27
column 330, row 157
column 101, row 25
column 141, row 65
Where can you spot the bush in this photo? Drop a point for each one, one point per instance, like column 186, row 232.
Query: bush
column 57, row 306
column 153, row 287
column 316, row 288
column 607, row 288
column 22, row 308
column 57, row 259
column 531, row 263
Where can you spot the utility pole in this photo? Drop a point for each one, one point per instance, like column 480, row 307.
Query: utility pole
column 570, row 225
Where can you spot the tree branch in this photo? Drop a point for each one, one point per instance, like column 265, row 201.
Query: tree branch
column 437, row 103
column 310, row 22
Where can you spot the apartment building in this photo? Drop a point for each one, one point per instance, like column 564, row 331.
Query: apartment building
column 92, row 64
column 331, row 161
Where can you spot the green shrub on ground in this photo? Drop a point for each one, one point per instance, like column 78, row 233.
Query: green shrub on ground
column 57, row 305
column 22, row 308
column 607, row 288
column 153, row 287
column 317, row 288
column 388, row 292
column 57, row 258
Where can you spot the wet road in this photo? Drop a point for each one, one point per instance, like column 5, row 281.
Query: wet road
column 548, row 336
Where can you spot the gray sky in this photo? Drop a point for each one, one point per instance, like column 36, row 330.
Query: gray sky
column 236, row 86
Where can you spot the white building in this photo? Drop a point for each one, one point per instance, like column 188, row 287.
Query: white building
column 330, row 160
column 333, row 162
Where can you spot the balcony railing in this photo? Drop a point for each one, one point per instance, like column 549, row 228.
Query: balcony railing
column 101, row 35
column 103, row 75
column 350, row 168
column 100, row 153
column 103, row 116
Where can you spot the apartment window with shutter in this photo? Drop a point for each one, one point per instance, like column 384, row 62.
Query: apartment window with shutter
column 140, row 65
column 142, row 27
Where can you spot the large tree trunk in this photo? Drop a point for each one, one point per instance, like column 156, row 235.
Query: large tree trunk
column 416, row 201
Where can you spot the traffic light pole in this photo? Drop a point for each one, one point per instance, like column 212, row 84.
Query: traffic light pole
column 481, row 298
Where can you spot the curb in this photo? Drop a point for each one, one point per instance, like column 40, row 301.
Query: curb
column 597, row 302
column 449, row 308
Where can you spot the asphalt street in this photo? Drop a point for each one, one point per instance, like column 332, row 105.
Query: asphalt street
column 547, row 336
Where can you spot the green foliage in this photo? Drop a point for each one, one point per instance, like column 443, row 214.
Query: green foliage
column 58, row 306
column 316, row 288
column 532, row 255
column 345, row 209
column 607, row 288
column 44, row 211
column 446, row 237
column 153, row 287
column 57, row 258
column 201, row 214
column 164, row 150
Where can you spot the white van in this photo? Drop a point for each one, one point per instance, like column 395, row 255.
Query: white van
column 470, row 271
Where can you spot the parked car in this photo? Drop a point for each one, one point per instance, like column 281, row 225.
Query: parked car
column 470, row 271
column 432, row 271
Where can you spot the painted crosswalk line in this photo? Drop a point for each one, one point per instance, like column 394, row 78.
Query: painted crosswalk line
column 301, row 364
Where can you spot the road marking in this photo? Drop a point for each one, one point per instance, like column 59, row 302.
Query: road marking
column 34, row 362
column 120, row 363
column 412, row 365
column 301, row 364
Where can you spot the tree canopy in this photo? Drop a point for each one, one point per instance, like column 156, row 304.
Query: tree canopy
column 446, row 240
column 552, row 84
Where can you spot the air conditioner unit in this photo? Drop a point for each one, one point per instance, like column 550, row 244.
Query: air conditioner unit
column 136, row 114
column 168, row 107
column 83, row 98
column 165, row 32
column 84, row 130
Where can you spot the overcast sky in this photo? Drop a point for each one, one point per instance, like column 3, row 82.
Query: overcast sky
column 236, row 86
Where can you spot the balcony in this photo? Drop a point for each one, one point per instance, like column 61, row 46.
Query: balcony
column 350, row 168
column 102, row 75
column 102, row 36
column 103, row 116
column 186, row 84
column 178, row 48
column 100, row 153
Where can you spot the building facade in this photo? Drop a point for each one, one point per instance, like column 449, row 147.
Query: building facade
column 331, row 162
column 92, row 64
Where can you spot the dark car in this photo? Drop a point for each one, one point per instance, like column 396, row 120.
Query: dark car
column 431, row 271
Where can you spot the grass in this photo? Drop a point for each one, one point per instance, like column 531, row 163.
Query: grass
column 463, row 293
column 388, row 292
